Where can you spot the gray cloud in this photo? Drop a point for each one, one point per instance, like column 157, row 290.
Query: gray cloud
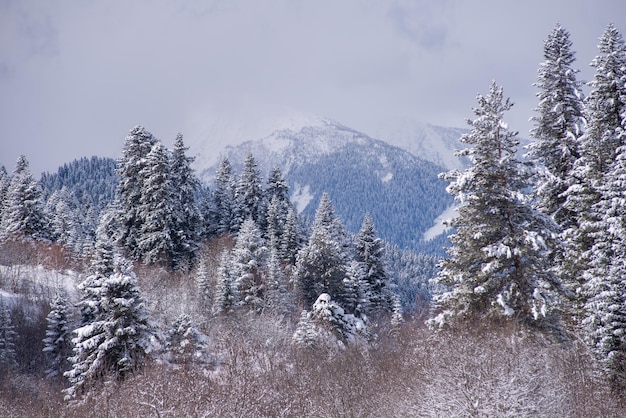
column 76, row 76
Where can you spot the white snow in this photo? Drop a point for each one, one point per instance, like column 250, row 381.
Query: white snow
column 301, row 196
column 438, row 227
column 387, row 177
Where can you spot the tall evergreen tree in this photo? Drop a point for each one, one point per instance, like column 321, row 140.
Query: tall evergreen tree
column 117, row 340
column 321, row 265
column 247, row 261
column 369, row 253
column 187, row 222
column 605, row 110
column 248, row 193
column 4, row 186
column 496, row 265
column 23, row 210
column 57, row 344
column 226, row 296
column 155, row 211
column 221, row 217
column 8, row 355
column 558, row 125
column 133, row 161
column 290, row 240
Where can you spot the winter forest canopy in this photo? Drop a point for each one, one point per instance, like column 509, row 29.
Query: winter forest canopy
column 115, row 274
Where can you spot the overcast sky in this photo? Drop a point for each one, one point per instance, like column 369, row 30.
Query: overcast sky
column 76, row 76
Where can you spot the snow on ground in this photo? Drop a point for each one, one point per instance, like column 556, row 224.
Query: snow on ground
column 387, row 177
column 22, row 281
column 438, row 227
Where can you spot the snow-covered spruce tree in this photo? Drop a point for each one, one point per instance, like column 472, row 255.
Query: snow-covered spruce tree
column 604, row 319
column 8, row 356
column 247, row 261
column 277, row 297
column 497, row 265
column 221, row 215
column 117, row 340
column 155, row 210
column 558, row 125
column 186, row 345
column 4, row 186
column 203, row 280
column 290, row 241
column 321, row 265
column 369, row 253
column 275, row 206
column 23, row 213
column 605, row 110
column 226, row 297
column 327, row 325
column 187, row 220
column 137, row 145
column 248, row 193
column 57, row 343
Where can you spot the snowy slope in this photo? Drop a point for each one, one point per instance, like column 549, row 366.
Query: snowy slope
column 401, row 191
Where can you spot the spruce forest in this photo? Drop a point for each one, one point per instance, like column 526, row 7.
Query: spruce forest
column 130, row 288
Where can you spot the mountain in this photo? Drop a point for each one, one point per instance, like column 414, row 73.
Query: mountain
column 402, row 192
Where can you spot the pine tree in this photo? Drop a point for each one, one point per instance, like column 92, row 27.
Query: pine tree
column 4, row 186
column 248, row 193
column 369, row 252
column 23, row 210
column 137, row 145
column 558, row 125
column 155, row 211
column 605, row 110
column 327, row 325
column 117, row 340
column 203, row 280
column 247, row 261
column 221, row 216
column 57, row 344
column 277, row 296
column 187, row 221
column 496, row 265
column 290, row 240
column 275, row 205
column 8, row 356
column 226, row 296
column 185, row 344
column 321, row 266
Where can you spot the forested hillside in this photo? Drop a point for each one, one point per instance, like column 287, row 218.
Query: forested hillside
column 170, row 298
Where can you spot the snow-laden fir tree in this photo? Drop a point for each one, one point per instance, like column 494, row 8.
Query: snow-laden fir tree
column 277, row 297
column 275, row 206
column 155, row 210
column 186, row 345
column 290, row 240
column 374, row 289
column 203, row 280
column 57, row 343
column 187, row 220
column 328, row 326
column 604, row 318
column 497, row 265
column 247, row 262
column 226, row 296
column 248, row 193
column 4, row 186
column 8, row 355
column 605, row 109
column 558, row 126
column 321, row 265
column 221, row 216
column 23, row 214
column 137, row 145
column 117, row 340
